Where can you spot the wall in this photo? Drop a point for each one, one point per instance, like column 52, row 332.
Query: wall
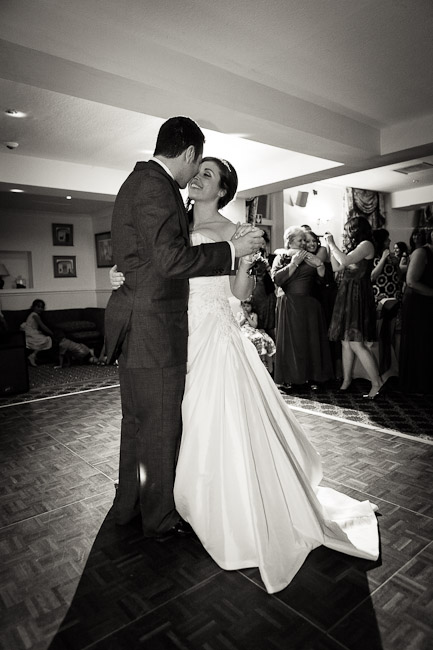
column 91, row 288
column 32, row 232
column 102, row 223
column 325, row 212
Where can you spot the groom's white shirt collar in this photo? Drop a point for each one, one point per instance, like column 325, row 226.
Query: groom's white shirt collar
column 165, row 168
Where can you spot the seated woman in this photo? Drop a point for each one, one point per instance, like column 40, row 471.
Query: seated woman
column 38, row 335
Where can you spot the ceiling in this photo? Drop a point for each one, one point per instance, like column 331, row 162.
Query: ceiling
column 290, row 91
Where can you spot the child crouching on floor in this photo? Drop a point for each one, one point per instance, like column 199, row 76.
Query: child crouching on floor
column 71, row 350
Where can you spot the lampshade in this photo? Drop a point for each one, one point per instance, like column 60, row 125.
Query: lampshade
column 3, row 270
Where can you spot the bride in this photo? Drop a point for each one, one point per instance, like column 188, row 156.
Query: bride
column 247, row 477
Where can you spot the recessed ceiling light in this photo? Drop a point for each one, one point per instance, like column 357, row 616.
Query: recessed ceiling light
column 69, row 197
column 12, row 112
column 16, row 190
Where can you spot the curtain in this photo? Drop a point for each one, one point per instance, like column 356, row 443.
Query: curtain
column 366, row 203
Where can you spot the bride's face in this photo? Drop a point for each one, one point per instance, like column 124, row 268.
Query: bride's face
column 205, row 186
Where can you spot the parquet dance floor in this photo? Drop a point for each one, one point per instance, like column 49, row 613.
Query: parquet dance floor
column 71, row 579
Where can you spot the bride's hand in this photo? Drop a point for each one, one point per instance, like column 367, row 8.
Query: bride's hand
column 242, row 229
column 116, row 278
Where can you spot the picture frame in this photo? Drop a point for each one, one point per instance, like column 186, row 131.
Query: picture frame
column 65, row 266
column 104, row 253
column 63, row 234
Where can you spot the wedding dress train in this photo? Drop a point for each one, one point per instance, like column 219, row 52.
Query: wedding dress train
column 247, row 478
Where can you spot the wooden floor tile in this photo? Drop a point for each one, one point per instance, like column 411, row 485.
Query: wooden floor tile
column 70, row 576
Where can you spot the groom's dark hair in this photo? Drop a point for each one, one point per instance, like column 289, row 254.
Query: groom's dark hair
column 176, row 135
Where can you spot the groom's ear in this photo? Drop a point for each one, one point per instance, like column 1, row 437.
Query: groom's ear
column 190, row 154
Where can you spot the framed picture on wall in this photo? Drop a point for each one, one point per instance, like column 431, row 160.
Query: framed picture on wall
column 104, row 255
column 64, row 266
column 63, row 234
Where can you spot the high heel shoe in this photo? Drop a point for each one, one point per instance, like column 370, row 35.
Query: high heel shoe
column 373, row 393
column 346, row 389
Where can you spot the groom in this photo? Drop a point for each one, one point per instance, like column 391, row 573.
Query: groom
column 146, row 323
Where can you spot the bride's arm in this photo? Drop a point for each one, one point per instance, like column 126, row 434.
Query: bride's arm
column 242, row 284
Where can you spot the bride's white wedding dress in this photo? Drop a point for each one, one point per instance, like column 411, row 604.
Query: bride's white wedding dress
column 247, row 476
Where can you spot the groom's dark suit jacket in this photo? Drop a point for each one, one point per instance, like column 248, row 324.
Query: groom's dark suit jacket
column 146, row 318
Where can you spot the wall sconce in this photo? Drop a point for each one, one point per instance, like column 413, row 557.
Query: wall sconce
column 3, row 273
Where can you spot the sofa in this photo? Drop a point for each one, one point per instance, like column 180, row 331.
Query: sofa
column 83, row 325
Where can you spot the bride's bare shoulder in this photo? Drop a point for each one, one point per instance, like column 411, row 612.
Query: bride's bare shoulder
column 221, row 230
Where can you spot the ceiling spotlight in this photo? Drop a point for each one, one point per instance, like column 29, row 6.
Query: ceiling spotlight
column 69, row 197
column 16, row 190
column 12, row 145
column 12, row 112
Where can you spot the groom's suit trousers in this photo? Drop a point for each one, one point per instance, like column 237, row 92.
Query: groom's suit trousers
column 151, row 430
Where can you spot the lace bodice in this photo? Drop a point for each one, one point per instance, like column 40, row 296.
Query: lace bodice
column 209, row 296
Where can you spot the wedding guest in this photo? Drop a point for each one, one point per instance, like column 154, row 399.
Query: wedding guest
column 249, row 323
column 386, row 275
column 416, row 352
column 38, row 335
column 387, row 279
column 325, row 290
column 303, row 354
column 354, row 316
column 263, row 298
column 401, row 251
column 417, row 239
column 71, row 350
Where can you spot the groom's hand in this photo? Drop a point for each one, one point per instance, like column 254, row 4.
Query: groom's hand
column 247, row 240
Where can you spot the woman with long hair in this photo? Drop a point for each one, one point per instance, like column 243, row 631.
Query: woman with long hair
column 354, row 317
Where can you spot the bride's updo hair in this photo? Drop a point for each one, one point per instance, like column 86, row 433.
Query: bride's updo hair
column 228, row 179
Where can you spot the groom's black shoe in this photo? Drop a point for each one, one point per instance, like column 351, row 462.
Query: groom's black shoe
column 180, row 529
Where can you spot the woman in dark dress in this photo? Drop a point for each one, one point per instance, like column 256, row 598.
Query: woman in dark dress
column 354, row 317
column 325, row 290
column 263, row 298
column 416, row 351
column 303, row 353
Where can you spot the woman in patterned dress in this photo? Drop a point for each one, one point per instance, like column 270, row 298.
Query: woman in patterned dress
column 354, row 316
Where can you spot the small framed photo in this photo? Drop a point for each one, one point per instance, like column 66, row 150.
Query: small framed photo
column 104, row 255
column 64, row 266
column 63, row 234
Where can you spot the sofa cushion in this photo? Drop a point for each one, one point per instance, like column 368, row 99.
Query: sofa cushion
column 85, row 336
column 77, row 326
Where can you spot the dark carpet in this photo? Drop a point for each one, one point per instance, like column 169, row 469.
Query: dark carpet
column 47, row 381
column 392, row 410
